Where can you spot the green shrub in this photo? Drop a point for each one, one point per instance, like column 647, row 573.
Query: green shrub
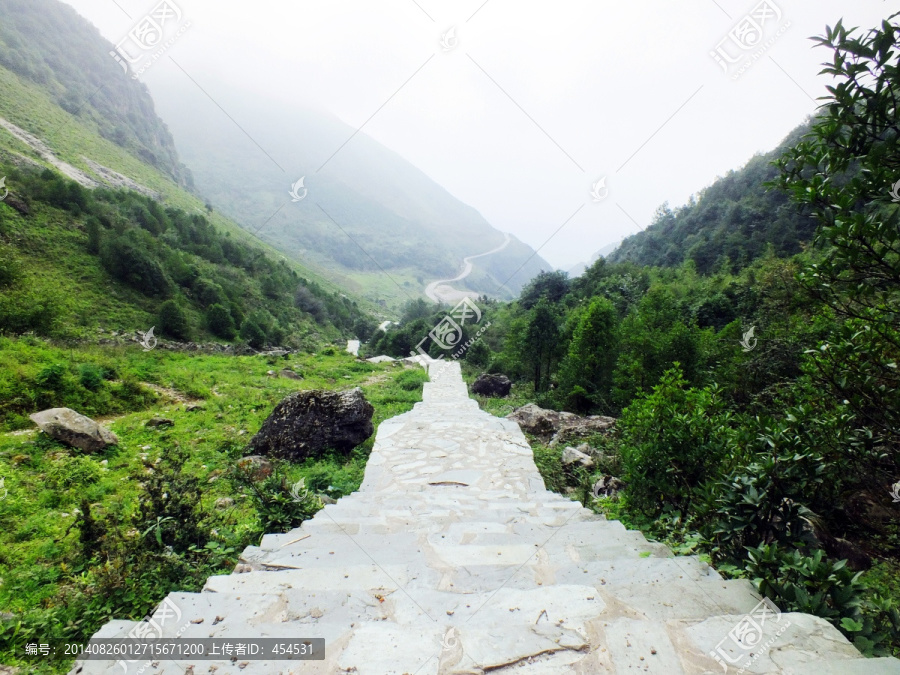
column 281, row 504
column 220, row 322
column 816, row 585
column 30, row 310
column 173, row 321
column 128, row 259
column 479, row 354
column 72, row 473
column 90, row 376
column 170, row 513
column 52, row 377
column 673, row 441
column 252, row 334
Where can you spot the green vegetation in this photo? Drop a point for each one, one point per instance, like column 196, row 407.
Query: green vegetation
column 757, row 395
column 50, row 44
column 129, row 263
column 87, row 538
column 731, row 223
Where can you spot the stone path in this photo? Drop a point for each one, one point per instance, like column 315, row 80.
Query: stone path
column 452, row 558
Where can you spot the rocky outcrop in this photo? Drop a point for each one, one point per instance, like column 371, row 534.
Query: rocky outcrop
column 307, row 423
column 18, row 204
column 494, row 386
column 555, row 427
column 71, row 428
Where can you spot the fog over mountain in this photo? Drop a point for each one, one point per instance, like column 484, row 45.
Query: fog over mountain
column 521, row 110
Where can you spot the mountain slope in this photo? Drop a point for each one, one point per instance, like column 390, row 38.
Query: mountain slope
column 49, row 44
column 736, row 218
column 74, row 260
column 367, row 211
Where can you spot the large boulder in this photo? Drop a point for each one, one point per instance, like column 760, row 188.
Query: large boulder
column 539, row 421
column 495, row 386
column 71, row 428
column 558, row 427
column 575, row 428
column 306, row 423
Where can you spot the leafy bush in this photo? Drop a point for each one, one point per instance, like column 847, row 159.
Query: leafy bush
column 173, row 321
column 252, row 334
column 90, row 376
column 128, row 259
column 220, row 322
column 815, row 585
column 170, row 509
column 793, row 479
column 281, row 505
column 673, row 441
column 479, row 354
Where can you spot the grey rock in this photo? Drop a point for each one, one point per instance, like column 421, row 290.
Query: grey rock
column 19, row 205
column 156, row 422
column 224, row 503
column 538, row 421
column 290, row 374
column 71, row 428
column 495, row 386
column 193, row 407
column 556, row 428
column 307, row 423
column 576, row 428
column 575, row 456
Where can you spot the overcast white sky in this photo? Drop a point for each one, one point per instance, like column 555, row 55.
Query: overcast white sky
column 535, row 102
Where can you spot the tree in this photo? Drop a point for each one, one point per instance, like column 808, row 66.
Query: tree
column 586, row 371
column 551, row 286
column 128, row 258
column 845, row 171
column 173, row 321
column 220, row 322
column 305, row 301
column 541, row 344
column 673, row 442
column 253, row 334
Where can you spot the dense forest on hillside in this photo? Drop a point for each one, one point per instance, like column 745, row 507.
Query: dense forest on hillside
column 730, row 223
column 756, row 381
column 50, row 44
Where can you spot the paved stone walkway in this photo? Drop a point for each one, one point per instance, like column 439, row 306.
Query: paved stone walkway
column 453, row 558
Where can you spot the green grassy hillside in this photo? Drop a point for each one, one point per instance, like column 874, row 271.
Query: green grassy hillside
column 47, row 43
column 79, row 544
column 115, row 259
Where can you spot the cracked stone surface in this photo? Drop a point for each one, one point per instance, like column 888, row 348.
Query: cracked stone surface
column 454, row 559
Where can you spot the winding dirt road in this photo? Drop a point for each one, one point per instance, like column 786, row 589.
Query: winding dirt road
column 431, row 289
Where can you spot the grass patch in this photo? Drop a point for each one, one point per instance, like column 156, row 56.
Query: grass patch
column 51, row 583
